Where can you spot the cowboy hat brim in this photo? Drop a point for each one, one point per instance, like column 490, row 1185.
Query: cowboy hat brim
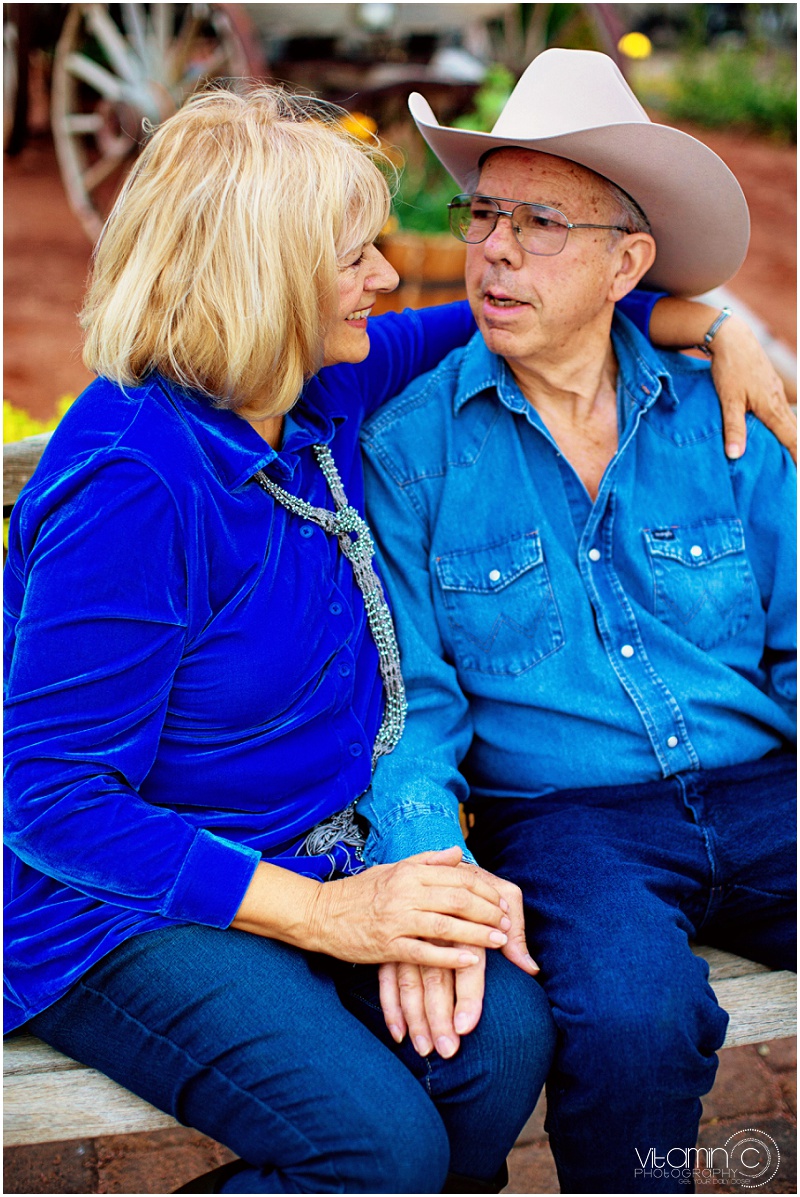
column 695, row 206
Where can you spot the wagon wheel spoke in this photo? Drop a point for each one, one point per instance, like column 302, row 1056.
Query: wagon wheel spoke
column 176, row 64
column 136, row 33
column 117, row 50
column 104, row 167
column 108, row 85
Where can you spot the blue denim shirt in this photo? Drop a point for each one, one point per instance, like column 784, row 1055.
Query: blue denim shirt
column 549, row 642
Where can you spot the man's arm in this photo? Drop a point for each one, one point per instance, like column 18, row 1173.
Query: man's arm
column 417, row 788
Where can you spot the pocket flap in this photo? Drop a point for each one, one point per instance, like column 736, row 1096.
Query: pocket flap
column 490, row 569
column 696, row 545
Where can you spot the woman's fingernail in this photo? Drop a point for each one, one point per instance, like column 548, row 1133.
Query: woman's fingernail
column 423, row 1045
column 462, row 1023
column 498, row 937
column 445, row 1047
column 533, row 962
column 734, row 449
column 468, row 958
column 505, row 924
column 395, row 1033
column 503, row 904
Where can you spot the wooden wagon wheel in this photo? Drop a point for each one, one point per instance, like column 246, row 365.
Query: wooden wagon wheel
column 117, row 66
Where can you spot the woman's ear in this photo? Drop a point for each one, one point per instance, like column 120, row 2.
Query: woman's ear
column 635, row 255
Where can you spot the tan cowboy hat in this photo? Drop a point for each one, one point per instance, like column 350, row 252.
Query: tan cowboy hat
column 576, row 104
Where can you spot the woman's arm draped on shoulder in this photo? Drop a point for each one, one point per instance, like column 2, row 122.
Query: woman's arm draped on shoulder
column 101, row 628
column 743, row 375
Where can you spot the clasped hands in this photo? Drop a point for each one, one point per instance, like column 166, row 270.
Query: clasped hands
column 432, row 987
column 432, row 916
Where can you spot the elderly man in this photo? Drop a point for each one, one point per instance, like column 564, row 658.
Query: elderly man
column 596, row 617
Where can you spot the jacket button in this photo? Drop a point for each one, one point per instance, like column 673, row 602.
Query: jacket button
column 696, row 551
column 594, row 554
column 627, row 650
column 494, row 575
column 672, row 741
column 356, row 750
column 335, row 608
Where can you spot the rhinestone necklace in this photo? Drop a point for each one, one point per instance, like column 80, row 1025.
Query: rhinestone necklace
column 355, row 540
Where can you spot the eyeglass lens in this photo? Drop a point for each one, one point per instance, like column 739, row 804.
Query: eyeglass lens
column 539, row 229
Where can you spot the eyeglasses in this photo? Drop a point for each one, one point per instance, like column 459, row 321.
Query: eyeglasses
column 537, row 228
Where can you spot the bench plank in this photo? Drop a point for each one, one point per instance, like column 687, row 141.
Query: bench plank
column 20, row 459
column 49, row 1098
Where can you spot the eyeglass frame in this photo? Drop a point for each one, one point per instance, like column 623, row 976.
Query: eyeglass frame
column 568, row 225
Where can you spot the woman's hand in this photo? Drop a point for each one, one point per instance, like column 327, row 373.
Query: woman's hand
column 743, row 375
column 746, row 380
column 390, row 912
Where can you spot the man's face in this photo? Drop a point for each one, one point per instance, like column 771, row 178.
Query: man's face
column 530, row 306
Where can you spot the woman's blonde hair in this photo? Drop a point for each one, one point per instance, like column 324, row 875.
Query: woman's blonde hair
column 218, row 264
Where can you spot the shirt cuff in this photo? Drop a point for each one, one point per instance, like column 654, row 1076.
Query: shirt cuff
column 212, row 881
column 410, row 828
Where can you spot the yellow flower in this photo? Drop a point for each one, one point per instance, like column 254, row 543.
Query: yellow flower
column 361, row 126
column 635, row 45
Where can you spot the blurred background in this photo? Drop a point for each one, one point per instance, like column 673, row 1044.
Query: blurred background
column 79, row 80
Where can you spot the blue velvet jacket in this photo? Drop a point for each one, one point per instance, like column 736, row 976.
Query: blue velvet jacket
column 190, row 679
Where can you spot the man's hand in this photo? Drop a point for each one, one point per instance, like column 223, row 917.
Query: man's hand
column 436, row 1006
column 746, row 380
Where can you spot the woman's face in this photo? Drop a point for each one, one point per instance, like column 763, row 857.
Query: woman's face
column 362, row 275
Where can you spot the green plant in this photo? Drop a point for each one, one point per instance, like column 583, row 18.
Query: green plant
column 425, row 187
column 733, row 87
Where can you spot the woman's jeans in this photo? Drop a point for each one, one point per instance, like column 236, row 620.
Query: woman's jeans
column 617, row 881
column 284, row 1057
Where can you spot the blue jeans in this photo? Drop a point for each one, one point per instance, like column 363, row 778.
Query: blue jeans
column 283, row 1056
column 616, row 884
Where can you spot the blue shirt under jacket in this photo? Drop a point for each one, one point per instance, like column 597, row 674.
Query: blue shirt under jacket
column 191, row 683
column 549, row 642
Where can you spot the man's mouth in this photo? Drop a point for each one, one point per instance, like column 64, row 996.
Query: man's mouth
column 361, row 314
column 498, row 299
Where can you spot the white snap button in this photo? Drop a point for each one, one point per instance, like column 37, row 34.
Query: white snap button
column 494, row 575
column 627, row 650
column 594, row 554
column 696, row 551
column 672, row 741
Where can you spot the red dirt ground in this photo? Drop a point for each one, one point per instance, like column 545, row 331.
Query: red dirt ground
column 46, row 258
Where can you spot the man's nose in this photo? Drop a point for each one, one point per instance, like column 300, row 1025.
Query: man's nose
column 502, row 243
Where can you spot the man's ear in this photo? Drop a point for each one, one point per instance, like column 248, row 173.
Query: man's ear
column 635, row 255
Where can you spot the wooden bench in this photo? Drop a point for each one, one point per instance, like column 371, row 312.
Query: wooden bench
column 50, row 1098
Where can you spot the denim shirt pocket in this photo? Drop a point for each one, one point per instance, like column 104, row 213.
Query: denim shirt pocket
column 500, row 605
column 702, row 584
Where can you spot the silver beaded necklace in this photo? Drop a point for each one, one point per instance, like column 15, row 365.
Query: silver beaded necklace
column 345, row 524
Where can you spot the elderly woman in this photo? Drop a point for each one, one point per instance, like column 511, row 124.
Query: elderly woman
column 202, row 671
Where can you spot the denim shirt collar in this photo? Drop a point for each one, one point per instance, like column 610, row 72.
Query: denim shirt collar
column 642, row 372
column 235, row 448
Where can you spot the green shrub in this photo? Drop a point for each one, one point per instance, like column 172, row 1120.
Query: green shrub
column 737, row 88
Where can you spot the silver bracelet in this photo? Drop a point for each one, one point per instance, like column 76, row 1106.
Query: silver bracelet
column 712, row 332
